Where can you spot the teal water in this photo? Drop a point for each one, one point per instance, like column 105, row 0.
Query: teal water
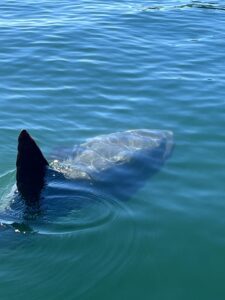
column 74, row 70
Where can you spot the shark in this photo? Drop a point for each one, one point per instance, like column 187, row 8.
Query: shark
column 115, row 164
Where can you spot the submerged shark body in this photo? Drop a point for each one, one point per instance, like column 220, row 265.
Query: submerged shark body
column 104, row 153
column 119, row 162
column 116, row 165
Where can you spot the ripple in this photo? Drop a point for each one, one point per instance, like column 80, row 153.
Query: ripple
column 59, row 14
column 89, row 211
column 87, row 228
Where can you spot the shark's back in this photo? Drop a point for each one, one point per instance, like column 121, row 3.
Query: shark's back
column 113, row 151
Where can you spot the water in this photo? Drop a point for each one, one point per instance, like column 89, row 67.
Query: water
column 75, row 70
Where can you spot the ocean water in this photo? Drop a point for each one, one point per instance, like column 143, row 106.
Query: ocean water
column 72, row 70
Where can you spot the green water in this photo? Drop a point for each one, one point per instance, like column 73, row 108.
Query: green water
column 74, row 70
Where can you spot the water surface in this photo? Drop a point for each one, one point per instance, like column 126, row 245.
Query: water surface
column 74, row 70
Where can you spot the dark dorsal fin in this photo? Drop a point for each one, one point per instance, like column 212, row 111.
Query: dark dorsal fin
column 30, row 168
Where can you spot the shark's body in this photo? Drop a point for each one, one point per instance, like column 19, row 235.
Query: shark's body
column 106, row 152
column 115, row 164
column 120, row 160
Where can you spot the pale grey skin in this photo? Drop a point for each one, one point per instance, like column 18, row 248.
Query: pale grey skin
column 116, row 164
column 104, row 152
